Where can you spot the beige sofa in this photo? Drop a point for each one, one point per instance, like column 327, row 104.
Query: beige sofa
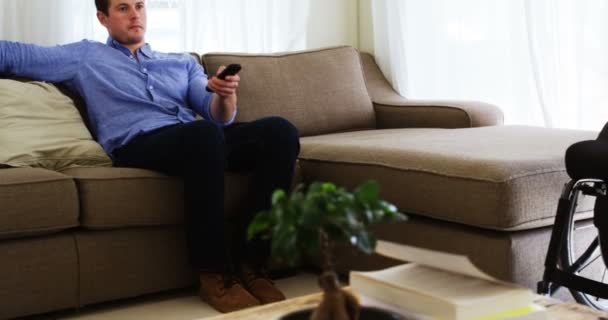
column 470, row 185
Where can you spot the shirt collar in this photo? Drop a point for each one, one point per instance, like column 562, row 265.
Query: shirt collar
column 146, row 50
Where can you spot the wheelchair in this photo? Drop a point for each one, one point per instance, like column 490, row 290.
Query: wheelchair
column 577, row 257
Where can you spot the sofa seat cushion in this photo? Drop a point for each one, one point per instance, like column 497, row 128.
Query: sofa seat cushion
column 503, row 177
column 128, row 197
column 35, row 201
column 122, row 197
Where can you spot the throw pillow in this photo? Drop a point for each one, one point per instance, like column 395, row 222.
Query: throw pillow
column 41, row 127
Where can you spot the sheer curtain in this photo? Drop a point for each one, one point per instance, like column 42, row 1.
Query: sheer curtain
column 47, row 22
column 173, row 25
column 542, row 61
column 245, row 25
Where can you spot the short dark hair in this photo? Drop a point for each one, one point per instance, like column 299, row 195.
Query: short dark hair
column 103, row 6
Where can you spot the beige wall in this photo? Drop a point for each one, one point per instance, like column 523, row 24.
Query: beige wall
column 332, row 22
column 366, row 28
column 340, row 22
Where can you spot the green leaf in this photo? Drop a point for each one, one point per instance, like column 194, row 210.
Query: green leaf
column 278, row 196
column 310, row 218
column 261, row 223
column 391, row 212
column 335, row 232
column 328, row 187
column 387, row 207
column 365, row 242
column 284, row 241
column 368, row 192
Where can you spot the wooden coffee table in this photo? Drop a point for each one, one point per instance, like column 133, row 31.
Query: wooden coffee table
column 557, row 310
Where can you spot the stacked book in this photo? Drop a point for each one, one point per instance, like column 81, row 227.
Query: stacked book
column 443, row 286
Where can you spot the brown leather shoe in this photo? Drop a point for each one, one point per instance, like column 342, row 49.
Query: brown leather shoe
column 260, row 286
column 225, row 293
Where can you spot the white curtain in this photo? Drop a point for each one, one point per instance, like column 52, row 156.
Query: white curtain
column 47, row 22
column 173, row 25
column 245, row 25
column 544, row 62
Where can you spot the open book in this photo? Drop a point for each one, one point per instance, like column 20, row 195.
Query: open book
column 443, row 286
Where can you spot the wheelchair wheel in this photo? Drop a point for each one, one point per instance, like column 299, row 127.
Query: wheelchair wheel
column 580, row 252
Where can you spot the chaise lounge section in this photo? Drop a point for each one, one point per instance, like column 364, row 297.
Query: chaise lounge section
column 471, row 185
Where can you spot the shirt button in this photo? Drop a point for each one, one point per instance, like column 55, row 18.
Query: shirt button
column 144, row 70
column 151, row 87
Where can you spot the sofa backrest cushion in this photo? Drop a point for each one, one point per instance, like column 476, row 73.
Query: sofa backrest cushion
column 41, row 127
column 320, row 91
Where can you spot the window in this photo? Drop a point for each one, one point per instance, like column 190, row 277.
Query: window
column 165, row 24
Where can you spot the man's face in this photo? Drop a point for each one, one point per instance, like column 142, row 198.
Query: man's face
column 126, row 21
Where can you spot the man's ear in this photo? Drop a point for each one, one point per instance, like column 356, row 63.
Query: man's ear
column 102, row 18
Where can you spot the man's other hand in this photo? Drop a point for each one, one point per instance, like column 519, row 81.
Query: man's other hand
column 224, row 88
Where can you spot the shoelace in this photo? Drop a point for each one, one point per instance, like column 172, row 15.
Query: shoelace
column 228, row 280
column 250, row 275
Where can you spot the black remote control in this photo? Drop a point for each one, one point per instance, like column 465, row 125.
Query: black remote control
column 230, row 70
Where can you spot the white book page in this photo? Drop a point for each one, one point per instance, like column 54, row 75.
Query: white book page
column 435, row 259
column 449, row 286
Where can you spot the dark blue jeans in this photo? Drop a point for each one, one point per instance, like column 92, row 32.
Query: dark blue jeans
column 200, row 152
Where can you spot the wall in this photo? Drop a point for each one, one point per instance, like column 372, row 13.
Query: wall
column 340, row 22
column 366, row 28
column 332, row 22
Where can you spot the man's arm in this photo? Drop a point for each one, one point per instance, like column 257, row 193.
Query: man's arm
column 53, row 64
column 223, row 104
column 219, row 106
column 223, row 109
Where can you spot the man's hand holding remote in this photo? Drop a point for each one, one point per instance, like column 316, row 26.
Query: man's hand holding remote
column 226, row 81
column 223, row 104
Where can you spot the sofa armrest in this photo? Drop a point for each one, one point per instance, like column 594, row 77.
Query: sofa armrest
column 436, row 114
column 395, row 111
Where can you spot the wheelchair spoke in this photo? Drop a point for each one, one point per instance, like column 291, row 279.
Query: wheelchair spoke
column 582, row 228
column 585, row 256
column 590, row 262
column 597, row 299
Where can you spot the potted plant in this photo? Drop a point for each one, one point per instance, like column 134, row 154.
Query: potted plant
column 308, row 222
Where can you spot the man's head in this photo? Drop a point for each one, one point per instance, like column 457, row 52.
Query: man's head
column 124, row 19
column 102, row 5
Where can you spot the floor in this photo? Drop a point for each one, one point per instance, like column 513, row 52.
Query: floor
column 184, row 305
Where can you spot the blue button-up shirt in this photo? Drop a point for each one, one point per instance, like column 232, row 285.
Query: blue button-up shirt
column 125, row 96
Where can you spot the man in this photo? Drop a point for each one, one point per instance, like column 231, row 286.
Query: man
column 141, row 106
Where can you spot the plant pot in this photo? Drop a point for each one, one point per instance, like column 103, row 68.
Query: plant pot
column 367, row 313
